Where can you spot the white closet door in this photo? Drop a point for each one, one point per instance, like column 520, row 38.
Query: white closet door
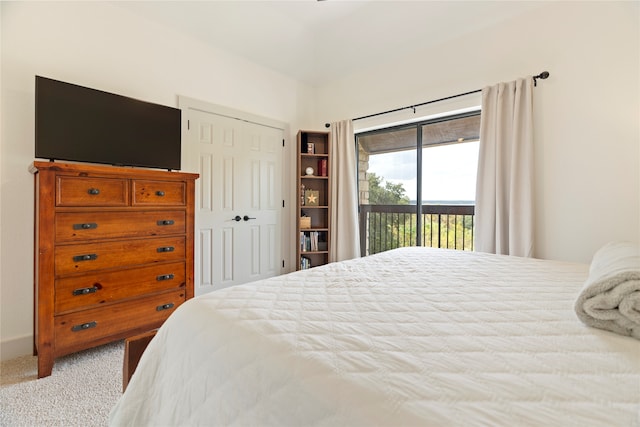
column 238, row 199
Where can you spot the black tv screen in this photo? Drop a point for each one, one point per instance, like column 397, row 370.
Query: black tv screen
column 77, row 123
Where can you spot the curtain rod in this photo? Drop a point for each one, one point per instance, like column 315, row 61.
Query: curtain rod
column 543, row 75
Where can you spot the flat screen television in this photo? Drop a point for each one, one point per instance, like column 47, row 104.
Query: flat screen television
column 77, row 123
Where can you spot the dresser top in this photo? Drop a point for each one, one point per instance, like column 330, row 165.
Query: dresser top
column 85, row 169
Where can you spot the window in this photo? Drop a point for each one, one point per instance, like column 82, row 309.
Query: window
column 434, row 162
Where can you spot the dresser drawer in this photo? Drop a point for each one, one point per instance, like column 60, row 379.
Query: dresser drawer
column 116, row 319
column 83, row 258
column 81, row 292
column 84, row 191
column 158, row 193
column 72, row 226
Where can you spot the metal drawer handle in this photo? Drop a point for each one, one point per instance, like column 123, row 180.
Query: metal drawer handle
column 93, row 191
column 85, row 226
column 86, row 257
column 159, row 193
column 164, row 307
column 165, row 222
column 164, row 277
column 166, row 249
column 84, row 326
column 85, row 291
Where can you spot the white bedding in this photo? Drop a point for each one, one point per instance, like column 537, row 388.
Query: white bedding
column 414, row 336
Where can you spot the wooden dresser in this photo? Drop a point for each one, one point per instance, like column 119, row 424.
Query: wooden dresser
column 113, row 254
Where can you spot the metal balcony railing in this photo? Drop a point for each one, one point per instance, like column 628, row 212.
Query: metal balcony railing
column 384, row 227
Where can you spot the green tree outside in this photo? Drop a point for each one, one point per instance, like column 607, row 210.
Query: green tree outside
column 389, row 194
column 389, row 231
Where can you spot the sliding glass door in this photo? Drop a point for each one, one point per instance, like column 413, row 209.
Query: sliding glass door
column 388, row 188
column 417, row 184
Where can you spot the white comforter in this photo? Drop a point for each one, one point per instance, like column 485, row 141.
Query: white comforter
column 414, row 336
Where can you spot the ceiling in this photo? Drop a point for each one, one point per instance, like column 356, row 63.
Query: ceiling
column 318, row 41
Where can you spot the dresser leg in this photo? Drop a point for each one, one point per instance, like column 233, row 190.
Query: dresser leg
column 45, row 364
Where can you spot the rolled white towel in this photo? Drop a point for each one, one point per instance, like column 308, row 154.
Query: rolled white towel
column 610, row 298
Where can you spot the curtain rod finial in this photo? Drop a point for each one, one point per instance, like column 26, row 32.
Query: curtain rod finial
column 543, row 75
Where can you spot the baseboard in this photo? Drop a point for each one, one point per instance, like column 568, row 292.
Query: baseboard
column 16, row 347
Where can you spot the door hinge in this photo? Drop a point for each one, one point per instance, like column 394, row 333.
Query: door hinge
column 282, row 263
column 188, row 124
column 283, row 203
column 283, row 142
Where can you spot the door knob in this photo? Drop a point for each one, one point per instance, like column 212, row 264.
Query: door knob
column 237, row 218
column 246, row 218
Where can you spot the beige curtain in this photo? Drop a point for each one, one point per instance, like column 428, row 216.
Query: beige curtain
column 344, row 241
column 504, row 189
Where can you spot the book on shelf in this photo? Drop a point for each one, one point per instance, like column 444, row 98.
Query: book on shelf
column 309, row 241
column 322, row 167
column 305, row 263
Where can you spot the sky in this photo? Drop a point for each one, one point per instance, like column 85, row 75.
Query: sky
column 449, row 171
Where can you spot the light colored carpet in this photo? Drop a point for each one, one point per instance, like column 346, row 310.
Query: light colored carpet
column 80, row 392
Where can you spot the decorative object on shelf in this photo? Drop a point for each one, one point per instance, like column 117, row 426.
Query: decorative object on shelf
column 309, row 171
column 301, row 194
column 311, row 197
column 311, row 148
column 305, row 222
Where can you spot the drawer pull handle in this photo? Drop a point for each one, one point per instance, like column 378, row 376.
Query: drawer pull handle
column 93, row 191
column 165, row 222
column 85, row 226
column 164, row 277
column 84, row 326
column 85, row 291
column 159, row 193
column 164, row 307
column 166, row 249
column 86, row 257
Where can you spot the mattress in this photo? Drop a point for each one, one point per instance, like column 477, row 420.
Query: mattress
column 412, row 336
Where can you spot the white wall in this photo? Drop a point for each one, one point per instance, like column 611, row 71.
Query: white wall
column 102, row 45
column 587, row 114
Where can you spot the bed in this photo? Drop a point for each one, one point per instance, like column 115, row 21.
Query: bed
column 412, row 336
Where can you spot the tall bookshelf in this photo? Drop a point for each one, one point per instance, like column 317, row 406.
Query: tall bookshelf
column 314, row 199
